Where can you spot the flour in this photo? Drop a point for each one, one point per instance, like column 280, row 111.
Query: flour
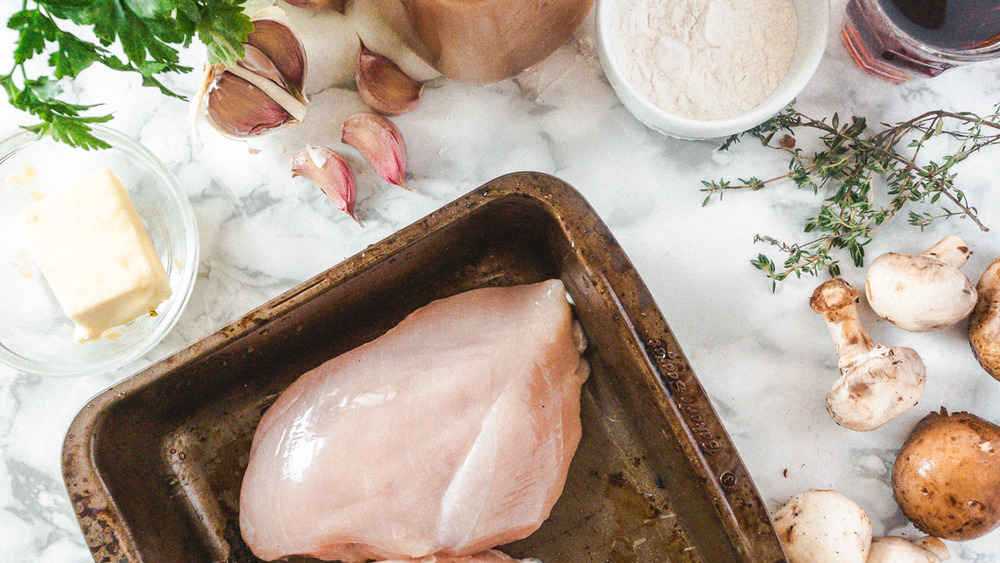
column 706, row 59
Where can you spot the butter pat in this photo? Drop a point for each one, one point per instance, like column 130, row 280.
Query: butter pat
column 95, row 254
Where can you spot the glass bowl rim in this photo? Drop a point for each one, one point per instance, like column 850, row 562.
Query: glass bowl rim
column 812, row 16
column 15, row 141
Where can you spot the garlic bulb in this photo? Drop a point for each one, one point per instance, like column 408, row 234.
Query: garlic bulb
column 380, row 142
column 263, row 91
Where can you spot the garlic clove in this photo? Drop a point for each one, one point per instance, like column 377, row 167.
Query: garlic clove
column 239, row 109
column 331, row 173
column 382, row 26
column 273, row 35
column 380, row 142
column 384, row 86
column 318, row 5
column 263, row 91
column 257, row 62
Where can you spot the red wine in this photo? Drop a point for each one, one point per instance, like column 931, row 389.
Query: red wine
column 952, row 25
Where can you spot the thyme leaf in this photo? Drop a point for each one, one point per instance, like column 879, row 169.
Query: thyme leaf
column 865, row 177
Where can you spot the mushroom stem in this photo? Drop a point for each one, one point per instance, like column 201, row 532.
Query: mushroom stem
column 951, row 250
column 837, row 302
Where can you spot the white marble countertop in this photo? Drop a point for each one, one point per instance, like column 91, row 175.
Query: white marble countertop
column 765, row 359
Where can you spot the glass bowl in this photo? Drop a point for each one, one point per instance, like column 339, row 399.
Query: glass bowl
column 35, row 335
column 813, row 28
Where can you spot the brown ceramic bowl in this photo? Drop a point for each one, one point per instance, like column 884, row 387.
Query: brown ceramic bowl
column 153, row 465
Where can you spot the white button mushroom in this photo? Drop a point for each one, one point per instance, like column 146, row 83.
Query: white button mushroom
column 876, row 383
column 823, row 526
column 927, row 549
column 922, row 292
column 984, row 324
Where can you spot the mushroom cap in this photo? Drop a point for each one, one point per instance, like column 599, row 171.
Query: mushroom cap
column 832, row 297
column 918, row 292
column 984, row 323
column 823, row 527
column 876, row 387
column 899, row 550
column 946, row 478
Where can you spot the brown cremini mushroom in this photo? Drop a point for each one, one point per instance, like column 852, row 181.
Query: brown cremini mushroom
column 946, row 478
column 817, row 526
column 922, row 292
column 984, row 323
column 876, row 383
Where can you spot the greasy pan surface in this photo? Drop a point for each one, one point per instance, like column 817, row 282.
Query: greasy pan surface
column 153, row 465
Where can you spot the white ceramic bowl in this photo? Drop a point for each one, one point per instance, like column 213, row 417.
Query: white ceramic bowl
column 35, row 336
column 813, row 29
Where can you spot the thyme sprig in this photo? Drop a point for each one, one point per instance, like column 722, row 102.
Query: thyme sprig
column 866, row 179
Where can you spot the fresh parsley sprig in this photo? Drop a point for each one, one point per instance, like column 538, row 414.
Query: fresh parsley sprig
column 146, row 32
column 866, row 179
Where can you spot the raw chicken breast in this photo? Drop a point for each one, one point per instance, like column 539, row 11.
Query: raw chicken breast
column 448, row 435
column 491, row 556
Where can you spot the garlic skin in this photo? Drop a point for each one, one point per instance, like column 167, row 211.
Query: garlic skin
column 332, row 45
column 383, row 85
column 252, row 7
column 381, row 24
column 263, row 91
column 380, row 142
column 319, row 5
column 331, row 173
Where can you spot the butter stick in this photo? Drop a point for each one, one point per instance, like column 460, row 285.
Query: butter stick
column 95, row 254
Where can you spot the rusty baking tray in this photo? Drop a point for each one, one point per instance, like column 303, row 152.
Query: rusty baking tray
column 153, row 465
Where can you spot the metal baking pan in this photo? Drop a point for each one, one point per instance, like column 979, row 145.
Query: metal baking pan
column 153, row 465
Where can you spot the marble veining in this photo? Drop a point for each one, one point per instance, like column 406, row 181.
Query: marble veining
column 765, row 359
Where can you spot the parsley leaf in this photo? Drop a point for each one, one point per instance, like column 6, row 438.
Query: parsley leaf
column 34, row 30
column 223, row 31
column 147, row 32
column 74, row 55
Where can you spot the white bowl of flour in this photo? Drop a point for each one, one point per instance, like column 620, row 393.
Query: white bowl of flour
column 702, row 69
